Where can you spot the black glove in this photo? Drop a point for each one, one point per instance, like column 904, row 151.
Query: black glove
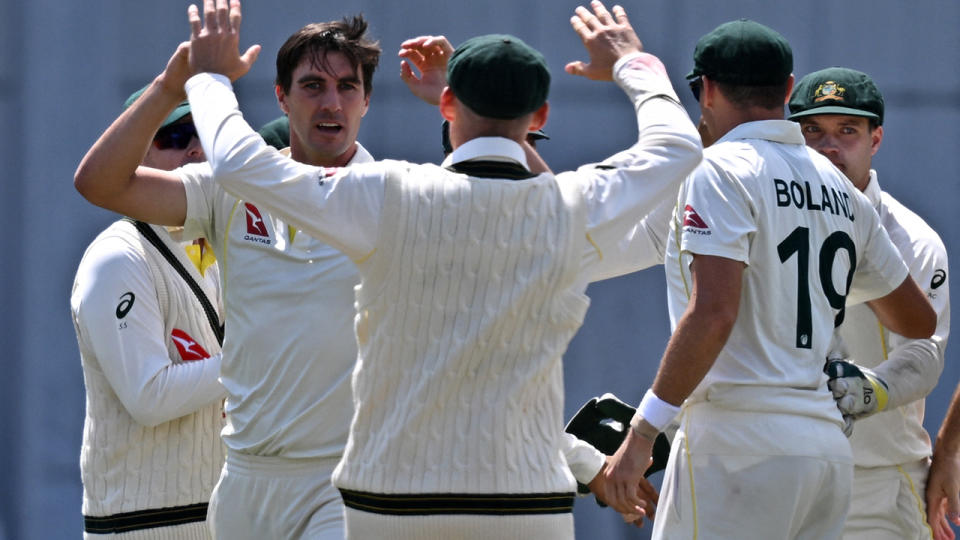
column 603, row 423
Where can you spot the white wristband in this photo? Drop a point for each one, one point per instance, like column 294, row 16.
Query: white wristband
column 657, row 412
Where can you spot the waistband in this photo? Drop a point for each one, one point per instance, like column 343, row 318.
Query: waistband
column 812, row 402
column 145, row 519
column 254, row 464
column 423, row 504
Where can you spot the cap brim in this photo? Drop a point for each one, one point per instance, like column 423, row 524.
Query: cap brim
column 537, row 135
column 182, row 110
column 833, row 109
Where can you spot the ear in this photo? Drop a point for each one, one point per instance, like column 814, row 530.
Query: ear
column 281, row 99
column 876, row 137
column 706, row 92
column 366, row 105
column 786, row 98
column 448, row 105
column 539, row 118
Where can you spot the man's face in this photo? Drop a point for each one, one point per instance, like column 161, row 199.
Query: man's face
column 325, row 107
column 847, row 141
column 174, row 146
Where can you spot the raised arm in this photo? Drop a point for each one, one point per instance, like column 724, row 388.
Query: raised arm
column 110, row 174
column 644, row 178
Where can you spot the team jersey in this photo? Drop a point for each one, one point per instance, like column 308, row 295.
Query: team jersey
column 151, row 451
column 289, row 348
column 896, row 436
column 461, row 325
column 805, row 234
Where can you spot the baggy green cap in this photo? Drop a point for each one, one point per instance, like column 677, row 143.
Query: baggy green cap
column 276, row 132
column 837, row 90
column 498, row 76
column 744, row 53
column 182, row 109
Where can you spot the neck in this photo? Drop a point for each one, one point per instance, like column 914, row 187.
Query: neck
column 302, row 154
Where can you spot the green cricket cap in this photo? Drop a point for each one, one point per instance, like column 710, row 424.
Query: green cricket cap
column 276, row 132
column 743, row 53
column 182, row 109
column 837, row 90
column 498, row 76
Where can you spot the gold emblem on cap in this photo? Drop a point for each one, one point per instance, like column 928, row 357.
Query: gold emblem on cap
column 829, row 90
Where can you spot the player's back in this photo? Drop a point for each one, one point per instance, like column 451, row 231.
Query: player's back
column 803, row 232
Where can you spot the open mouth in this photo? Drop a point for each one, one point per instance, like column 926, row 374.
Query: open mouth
column 330, row 128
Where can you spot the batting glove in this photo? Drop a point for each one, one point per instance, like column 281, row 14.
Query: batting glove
column 858, row 391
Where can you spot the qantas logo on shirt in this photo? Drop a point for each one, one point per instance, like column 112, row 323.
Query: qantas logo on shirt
column 256, row 228
column 326, row 173
column 692, row 221
column 188, row 347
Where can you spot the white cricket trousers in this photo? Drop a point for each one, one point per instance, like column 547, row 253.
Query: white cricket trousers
column 260, row 498
column 889, row 503
column 367, row 526
column 743, row 475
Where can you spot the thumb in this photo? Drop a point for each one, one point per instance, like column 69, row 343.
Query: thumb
column 251, row 55
column 576, row 68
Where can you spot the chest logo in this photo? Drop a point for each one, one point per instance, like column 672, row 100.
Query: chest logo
column 188, row 347
column 126, row 303
column 692, row 219
column 255, row 224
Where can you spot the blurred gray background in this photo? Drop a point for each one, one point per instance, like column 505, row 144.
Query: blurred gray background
column 68, row 66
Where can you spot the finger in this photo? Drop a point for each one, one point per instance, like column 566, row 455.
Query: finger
column 414, row 42
column 223, row 15
column 406, row 73
column 414, row 56
column 621, row 15
column 235, row 15
column 580, row 28
column 587, row 18
column 193, row 17
column 209, row 15
column 443, row 43
column 601, row 12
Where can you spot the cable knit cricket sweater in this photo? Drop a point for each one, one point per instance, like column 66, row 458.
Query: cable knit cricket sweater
column 480, row 306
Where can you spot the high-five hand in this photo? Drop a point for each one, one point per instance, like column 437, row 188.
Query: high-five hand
column 429, row 54
column 214, row 42
column 607, row 38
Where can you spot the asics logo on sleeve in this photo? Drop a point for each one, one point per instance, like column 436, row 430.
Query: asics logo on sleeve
column 939, row 277
column 188, row 347
column 126, row 303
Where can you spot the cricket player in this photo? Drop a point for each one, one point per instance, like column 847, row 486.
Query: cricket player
column 472, row 275
column 151, row 451
column 289, row 347
column 886, row 376
column 768, row 243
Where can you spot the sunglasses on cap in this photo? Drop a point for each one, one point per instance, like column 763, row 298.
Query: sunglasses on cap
column 175, row 136
column 696, row 85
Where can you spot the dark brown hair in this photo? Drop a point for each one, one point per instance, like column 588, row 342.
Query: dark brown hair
column 346, row 36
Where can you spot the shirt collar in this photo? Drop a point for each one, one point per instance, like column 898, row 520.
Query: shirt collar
column 781, row 131
column 490, row 149
column 873, row 189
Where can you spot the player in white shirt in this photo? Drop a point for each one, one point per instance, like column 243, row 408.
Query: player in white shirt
column 289, row 348
column 472, row 278
column 151, row 451
column 766, row 241
column 840, row 112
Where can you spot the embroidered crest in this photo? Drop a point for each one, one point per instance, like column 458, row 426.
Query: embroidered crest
column 829, row 90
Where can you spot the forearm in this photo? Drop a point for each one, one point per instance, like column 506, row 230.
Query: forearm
column 108, row 168
column 948, row 438
column 690, row 353
column 177, row 390
column 911, row 370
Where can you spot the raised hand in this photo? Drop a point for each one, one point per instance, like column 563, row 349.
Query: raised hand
column 429, row 54
column 625, row 489
column 606, row 37
column 214, row 42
